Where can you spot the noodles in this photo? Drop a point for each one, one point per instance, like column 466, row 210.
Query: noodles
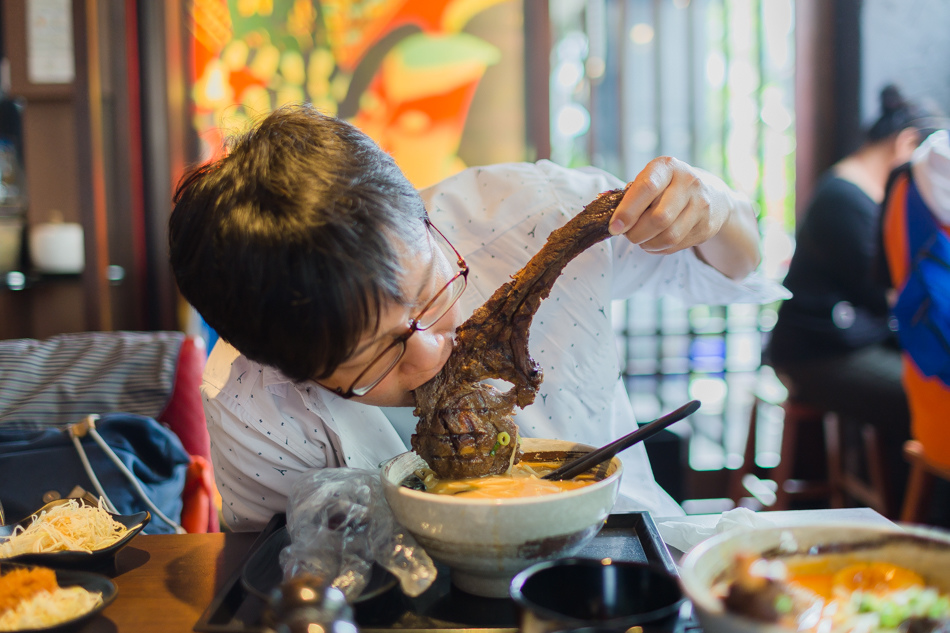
column 72, row 526
column 514, row 453
column 524, row 480
column 501, row 487
column 31, row 599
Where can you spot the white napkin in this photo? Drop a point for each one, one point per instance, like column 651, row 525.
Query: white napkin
column 931, row 168
column 684, row 535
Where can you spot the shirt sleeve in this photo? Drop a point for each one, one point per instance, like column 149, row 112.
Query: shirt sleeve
column 682, row 275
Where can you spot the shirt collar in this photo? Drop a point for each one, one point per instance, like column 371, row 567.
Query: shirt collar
column 272, row 376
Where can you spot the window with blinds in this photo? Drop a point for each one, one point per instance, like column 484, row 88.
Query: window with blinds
column 709, row 82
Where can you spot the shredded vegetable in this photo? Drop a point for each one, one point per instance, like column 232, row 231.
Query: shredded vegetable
column 72, row 526
column 22, row 584
column 48, row 608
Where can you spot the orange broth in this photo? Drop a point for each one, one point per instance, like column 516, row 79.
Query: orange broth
column 524, row 480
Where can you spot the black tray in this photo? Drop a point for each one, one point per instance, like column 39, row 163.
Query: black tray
column 442, row 608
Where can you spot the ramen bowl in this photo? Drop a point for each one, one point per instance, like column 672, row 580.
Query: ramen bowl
column 824, row 548
column 485, row 542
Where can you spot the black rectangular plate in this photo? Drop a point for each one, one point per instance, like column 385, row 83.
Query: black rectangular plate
column 442, row 608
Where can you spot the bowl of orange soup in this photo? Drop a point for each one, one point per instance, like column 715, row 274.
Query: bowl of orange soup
column 828, row 578
column 486, row 530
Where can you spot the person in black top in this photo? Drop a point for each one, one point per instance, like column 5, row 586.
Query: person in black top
column 834, row 346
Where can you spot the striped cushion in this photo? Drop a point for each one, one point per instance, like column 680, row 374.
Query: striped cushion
column 59, row 380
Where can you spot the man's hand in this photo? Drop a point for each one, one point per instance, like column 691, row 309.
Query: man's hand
column 671, row 206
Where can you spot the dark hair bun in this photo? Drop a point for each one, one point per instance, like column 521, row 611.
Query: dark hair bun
column 891, row 99
column 897, row 113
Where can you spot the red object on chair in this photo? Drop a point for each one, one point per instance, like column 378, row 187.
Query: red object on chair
column 184, row 414
column 198, row 512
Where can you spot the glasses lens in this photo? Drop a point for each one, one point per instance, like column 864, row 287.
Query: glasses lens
column 441, row 303
column 437, row 308
column 378, row 369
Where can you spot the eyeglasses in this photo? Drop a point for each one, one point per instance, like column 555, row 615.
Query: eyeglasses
column 437, row 308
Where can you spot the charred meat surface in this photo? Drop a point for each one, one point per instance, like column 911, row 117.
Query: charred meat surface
column 460, row 416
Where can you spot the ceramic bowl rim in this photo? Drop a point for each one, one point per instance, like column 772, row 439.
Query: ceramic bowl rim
column 449, row 500
column 701, row 594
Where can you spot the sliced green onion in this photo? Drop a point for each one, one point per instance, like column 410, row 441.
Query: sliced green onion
column 783, row 604
column 502, row 439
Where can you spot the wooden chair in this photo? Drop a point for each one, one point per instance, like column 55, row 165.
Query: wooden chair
column 748, row 479
column 839, row 483
column 923, row 474
column 843, row 483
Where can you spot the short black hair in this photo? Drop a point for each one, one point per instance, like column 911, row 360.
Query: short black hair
column 285, row 244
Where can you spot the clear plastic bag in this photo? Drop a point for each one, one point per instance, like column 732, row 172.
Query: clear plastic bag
column 340, row 524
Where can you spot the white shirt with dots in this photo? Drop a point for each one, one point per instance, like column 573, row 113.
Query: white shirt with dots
column 266, row 430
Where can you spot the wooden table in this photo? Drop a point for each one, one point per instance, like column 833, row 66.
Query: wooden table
column 166, row 581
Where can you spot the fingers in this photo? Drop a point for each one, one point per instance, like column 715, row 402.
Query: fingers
column 645, row 189
column 687, row 231
column 666, row 208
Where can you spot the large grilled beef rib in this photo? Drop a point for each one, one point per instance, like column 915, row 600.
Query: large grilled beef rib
column 460, row 416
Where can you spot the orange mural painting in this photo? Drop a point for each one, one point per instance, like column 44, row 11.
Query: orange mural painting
column 404, row 71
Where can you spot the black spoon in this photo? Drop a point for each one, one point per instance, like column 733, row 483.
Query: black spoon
column 602, row 454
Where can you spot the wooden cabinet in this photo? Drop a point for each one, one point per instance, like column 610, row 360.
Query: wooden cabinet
column 100, row 150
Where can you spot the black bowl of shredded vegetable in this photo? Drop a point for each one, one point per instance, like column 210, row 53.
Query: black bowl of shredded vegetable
column 72, row 533
column 37, row 598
